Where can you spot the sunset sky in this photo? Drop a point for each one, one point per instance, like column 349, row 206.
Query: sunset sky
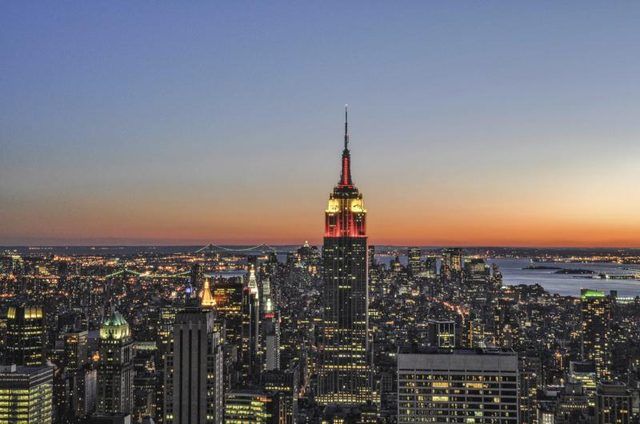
column 472, row 123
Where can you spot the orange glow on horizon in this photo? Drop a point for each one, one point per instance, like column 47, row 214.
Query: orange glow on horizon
column 487, row 212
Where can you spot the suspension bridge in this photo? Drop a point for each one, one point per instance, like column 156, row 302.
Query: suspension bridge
column 262, row 248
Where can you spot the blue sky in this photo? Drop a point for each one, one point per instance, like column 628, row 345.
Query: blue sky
column 179, row 122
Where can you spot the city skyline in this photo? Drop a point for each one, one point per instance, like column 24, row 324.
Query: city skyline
column 472, row 126
column 195, row 230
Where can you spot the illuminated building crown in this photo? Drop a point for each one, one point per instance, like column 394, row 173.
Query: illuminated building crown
column 206, row 298
column 115, row 327
column 345, row 215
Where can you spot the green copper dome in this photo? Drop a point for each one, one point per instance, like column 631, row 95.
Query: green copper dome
column 115, row 327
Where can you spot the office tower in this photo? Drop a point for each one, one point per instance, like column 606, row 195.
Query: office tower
column 595, row 309
column 26, row 394
column 25, row 336
column 451, row 262
column 196, row 275
column 479, row 386
column 75, row 349
column 115, row 367
column 266, row 298
column 144, row 393
column 81, row 378
column 248, row 407
column 613, row 403
column 344, row 375
column 250, row 337
column 546, row 413
column 270, row 329
column 336, row 414
column 442, row 334
column 85, row 402
column 228, row 294
column 431, row 266
column 530, row 369
column 271, row 341
column 633, row 381
column 573, row 405
column 416, row 266
column 506, row 323
column 282, row 387
column 164, row 341
column 585, row 374
column 166, row 319
column 371, row 253
column 250, row 346
column 193, row 370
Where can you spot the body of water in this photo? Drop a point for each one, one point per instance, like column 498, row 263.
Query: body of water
column 569, row 284
column 513, row 273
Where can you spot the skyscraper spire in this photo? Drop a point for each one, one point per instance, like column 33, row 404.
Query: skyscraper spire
column 346, row 127
column 345, row 176
column 344, row 368
column 206, row 299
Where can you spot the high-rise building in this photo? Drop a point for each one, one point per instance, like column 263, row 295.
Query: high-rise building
column 248, row 407
column 572, row 405
column 431, row 266
column 442, row 334
column 479, row 386
column 344, row 375
column 193, row 370
column 371, row 253
column 250, row 347
column 196, row 275
column 164, row 341
column 416, row 266
column 81, row 377
column 585, row 374
column 75, row 349
column 271, row 335
column 115, row 367
column 451, row 262
column 25, row 336
column 596, row 330
column 26, row 394
column 613, row 403
column 228, row 295
column 530, row 369
column 270, row 328
column 282, row 387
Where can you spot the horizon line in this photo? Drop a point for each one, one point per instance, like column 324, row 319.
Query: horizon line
column 426, row 246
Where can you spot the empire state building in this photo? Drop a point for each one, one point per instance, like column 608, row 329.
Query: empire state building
column 344, row 374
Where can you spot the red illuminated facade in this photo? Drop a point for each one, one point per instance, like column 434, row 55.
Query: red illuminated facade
column 345, row 215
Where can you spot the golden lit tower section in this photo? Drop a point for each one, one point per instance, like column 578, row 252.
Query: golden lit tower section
column 344, row 374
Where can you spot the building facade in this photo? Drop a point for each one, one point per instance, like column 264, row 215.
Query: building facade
column 25, row 336
column 248, row 407
column 193, row 370
column 613, row 403
column 470, row 386
column 596, row 331
column 115, row 367
column 344, row 374
column 26, row 394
